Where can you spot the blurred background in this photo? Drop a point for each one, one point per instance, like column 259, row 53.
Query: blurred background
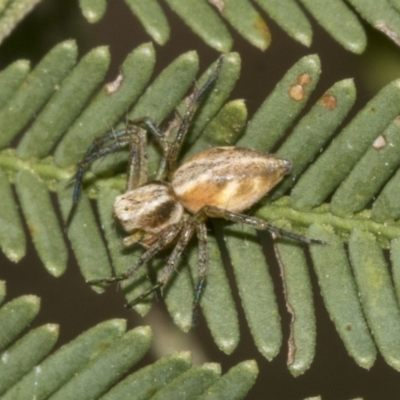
column 71, row 303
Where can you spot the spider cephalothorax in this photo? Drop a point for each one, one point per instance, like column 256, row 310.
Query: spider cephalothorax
column 220, row 182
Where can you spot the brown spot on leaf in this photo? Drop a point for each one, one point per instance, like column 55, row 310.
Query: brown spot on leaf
column 329, row 101
column 297, row 92
column 304, row 79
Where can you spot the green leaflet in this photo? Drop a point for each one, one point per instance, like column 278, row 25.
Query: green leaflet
column 255, row 289
column 331, row 15
column 15, row 316
column 151, row 16
column 93, row 10
column 247, row 21
column 26, row 353
column 39, row 85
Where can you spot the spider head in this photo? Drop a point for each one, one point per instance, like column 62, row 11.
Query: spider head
column 147, row 210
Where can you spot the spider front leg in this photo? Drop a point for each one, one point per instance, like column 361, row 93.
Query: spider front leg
column 186, row 234
column 93, row 153
column 257, row 223
column 194, row 101
column 164, row 239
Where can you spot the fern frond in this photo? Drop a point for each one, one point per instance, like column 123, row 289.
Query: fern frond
column 206, row 19
column 95, row 364
column 356, row 170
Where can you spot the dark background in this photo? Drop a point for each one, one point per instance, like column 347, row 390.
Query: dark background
column 71, row 303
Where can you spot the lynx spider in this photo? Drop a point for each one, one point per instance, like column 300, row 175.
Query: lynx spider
column 220, row 182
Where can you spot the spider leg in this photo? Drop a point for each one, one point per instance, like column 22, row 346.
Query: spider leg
column 164, row 239
column 151, row 127
column 194, row 101
column 94, row 153
column 257, row 223
column 184, row 238
column 137, row 165
column 201, row 231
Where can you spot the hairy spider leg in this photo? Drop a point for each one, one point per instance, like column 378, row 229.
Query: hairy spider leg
column 184, row 238
column 137, row 165
column 194, row 101
column 147, row 124
column 89, row 159
column 150, row 126
column 165, row 237
column 201, row 231
column 257, row 223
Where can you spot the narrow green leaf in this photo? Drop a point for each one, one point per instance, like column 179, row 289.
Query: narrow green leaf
column 282, row 106
column 340, row 295
column 217, row 303
column 12, row 235
column 11, row 78
column 191, row 384
column 168, row 88
column 15, row 316
column 93, row 10
column 42, row 222
column 20, row 358
column 224, row 129
column 13, row 14
column 331, row 15
column 300, row 304
column 153, row 19
column 289, row 16
column 384, row 18
column 3, row 291
column 179, row 292
column 122, row 258
column 227, row 126
column 323, row 177
column 204, row 22
column 110, row 103
column 216, row 98
column 255, row 288
column 85, row 236
column 146, row 382
column 60, row 367
column 387, row 206
column 66, row 104
column 40, row 84
column 247, row 21
column 107, row 368
column 314, row 130
column 369, row 174
column 377, row 294
column 235, row 384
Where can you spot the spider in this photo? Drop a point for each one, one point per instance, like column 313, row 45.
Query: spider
column 220, row 182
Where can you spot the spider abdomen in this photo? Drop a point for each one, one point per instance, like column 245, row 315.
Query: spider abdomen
column 232, row 178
